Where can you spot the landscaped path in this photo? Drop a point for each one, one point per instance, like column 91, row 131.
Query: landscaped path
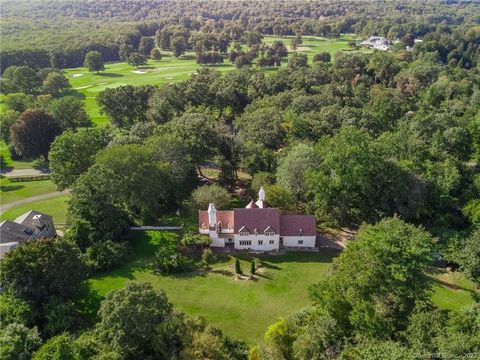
column 6, row 207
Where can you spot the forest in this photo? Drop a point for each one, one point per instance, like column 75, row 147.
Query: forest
column 384, row 142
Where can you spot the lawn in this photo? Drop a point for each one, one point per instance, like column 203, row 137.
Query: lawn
column 241, row 309
column 7, row 161
column 12, row 191
column 56, row 207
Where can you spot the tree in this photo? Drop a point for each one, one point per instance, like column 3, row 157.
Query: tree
column 35, row 270
column 260, row 179
column 242, row 61
column 352, row 182
column 18, row 342
column 136, row 59
column 208, row 257
column 125, row 105
column 14, row 310
column 296, row 42
column 94, row 61
column 378, row 280
column 469, row 256
column 25, row 80
column 322, row 57
column 33, row 132
column 96, row 210
column 238, row 269
column 72, row 154
column 204, row 195
column 69, row 113
column 291, row 170
column 155, row 54
column 178, row 45
column 138, row 322
column 278, row 197
column 253, row 268
column 297, row 61
column 261, row 126
column 146, row 45
column 378, row 350
column 6, row 121
column 58, row 347
column 18, row 102
column 56, row 84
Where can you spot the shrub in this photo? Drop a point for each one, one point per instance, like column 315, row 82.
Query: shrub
column 252, row 267
column 169, row 261
column 208, row 257
column 106, row 255
column 238, row 269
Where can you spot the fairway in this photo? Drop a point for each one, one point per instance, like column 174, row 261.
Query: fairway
column 170, row 69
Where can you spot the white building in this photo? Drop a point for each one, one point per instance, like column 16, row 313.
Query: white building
column 257, row 227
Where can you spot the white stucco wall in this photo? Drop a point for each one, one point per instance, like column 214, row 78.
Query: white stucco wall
column 266, row 246
column 308, row 241
column 216, row 241
column 6, row 247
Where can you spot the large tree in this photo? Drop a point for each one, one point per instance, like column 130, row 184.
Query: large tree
column 204, row 195
column 137, row 59
column 56, row 84
column 33, row 132
column 35, row 270
column 378, row 279
column 125, row 105
column 69, row 112
column 138, row 322
column 94, row 61
column 72, row 153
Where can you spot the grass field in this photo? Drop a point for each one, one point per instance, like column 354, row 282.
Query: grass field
column 12, row 191
column 242, row 308
column 56, row 207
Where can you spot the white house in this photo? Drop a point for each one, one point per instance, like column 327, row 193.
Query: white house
column 257, row 227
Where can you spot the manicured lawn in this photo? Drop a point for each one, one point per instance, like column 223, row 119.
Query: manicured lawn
column 17, row 164
column 241, row 308
column 12, row 191
column 244, row 308
column 56, row 207
column 452, row 291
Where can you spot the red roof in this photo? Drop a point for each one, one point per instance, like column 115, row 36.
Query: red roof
column 257, row 218
column 291, row 225
column 225, row 216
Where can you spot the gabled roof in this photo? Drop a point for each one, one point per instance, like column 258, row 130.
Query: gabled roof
column 262, row 204
column 225, row 216
column 34, row 219
column 243, row 229
column 269, row 229
column 11, row 231
column 251, row 205
column 256, row 218
column 292, row 224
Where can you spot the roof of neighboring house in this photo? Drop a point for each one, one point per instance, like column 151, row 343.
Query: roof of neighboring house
column 291, row 225
column 11, row 231
column 251, row 205
column 225, row 216
column 34, row 219
column 256, row 218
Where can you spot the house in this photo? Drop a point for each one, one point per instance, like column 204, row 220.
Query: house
column 257, row 227
column 31, row 225
column 377, row 42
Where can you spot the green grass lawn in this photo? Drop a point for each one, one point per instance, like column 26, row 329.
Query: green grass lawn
column 12, row 191
column 244, row 308
column 56, row 207
column 241, row 308
column 17, row 164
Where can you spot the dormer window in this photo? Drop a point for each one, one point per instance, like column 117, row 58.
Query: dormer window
column 255, row 231
column 229, row 226
column 243, row 231
column 219, row 226
column 269, row 231
column 203, row 226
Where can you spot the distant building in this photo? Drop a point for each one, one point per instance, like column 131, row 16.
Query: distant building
column 257, row 227
column 377, row 42
column 31, row 225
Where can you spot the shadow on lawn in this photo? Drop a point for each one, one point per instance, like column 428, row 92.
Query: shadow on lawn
column 106, row 74
column 7, row 188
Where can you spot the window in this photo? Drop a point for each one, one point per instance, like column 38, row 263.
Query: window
column 244, row 233
column 229, row 226
column 219, row 226
column 245, row 242
column 260, row 242
column 270, row 233
column 300, row 242
column 272, row 242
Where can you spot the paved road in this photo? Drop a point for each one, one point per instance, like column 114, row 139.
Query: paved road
column 24, row 172
column 5, row 207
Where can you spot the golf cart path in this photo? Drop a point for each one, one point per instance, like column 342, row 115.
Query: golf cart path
column 24, row 172
column 52, row 195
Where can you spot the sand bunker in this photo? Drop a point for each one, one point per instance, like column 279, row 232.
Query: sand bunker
column 77, row 75
column 138, row 72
